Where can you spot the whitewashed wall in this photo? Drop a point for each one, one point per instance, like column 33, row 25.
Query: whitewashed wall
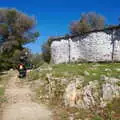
column 116, row 55
column 60, row 51
column 94, row 47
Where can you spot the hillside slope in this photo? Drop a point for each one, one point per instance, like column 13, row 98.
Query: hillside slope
column 81, row 91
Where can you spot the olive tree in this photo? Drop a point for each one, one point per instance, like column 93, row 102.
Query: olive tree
column 15, row 32
column 88, row 22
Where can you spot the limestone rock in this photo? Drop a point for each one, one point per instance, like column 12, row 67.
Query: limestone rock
column 94, row 93
column 111, row 89
column 103, row 78
column 86, row 73
column 70, row 95
column 108, row 70
column 117, row 69
column 83, row 97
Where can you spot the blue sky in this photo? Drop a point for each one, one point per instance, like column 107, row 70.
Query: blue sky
column 54, row 16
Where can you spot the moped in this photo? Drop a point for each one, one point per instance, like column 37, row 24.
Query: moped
column 22, row 71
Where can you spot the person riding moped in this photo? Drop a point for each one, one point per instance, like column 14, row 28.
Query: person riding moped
column 21, row 68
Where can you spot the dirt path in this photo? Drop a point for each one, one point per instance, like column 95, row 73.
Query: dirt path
column 20, row 105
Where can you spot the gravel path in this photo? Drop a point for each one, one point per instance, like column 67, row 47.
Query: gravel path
column 20, row 105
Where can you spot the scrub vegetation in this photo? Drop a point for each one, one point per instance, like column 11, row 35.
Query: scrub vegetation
column 90, row 71
column 68, row 72
column 4, row 77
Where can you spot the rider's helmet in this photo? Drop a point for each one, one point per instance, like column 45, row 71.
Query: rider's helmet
column 21, row 66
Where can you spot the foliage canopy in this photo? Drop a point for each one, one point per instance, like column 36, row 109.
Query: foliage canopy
column 15, row 31
column 88, row 22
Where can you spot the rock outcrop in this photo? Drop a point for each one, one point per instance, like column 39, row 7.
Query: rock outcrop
column 93, row 94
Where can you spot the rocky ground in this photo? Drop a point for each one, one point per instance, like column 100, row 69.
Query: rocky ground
column 80, row 91
column 88, row 91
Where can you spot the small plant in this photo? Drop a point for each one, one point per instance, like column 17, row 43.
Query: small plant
column 33, row 75
column 3, row 81
column 97, row 118
column 3, row 99
column 1, row 91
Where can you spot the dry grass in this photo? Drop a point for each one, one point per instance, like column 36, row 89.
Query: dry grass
column 68, row 71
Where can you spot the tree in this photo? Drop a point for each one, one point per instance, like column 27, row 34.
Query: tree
column 79, row 27
column 37, row 59
column 15, row 31
column 46, row 51
column 88, row 22
column 95, row 21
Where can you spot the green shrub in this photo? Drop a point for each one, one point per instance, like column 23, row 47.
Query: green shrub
column 97, row 118
column 1, row 91
column 33, row 75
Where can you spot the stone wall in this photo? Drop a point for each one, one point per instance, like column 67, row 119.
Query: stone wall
column 93, row 47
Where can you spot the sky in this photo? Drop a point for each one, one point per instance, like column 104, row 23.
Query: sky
column 54, row 16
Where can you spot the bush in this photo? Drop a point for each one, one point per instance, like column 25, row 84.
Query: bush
column 46, row 51
column 33, row 75
column 37, row 60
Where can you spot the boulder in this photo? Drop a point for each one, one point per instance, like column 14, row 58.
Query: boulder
column 110, row 89
column 92, row 94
